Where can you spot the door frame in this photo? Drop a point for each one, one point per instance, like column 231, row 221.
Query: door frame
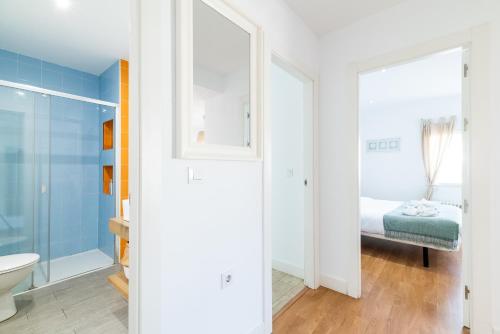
column 135, row 246
column 476, row 41
column 311, row 230
column 465, row 186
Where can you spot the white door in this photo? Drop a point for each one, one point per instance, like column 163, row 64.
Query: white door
column 466, row 223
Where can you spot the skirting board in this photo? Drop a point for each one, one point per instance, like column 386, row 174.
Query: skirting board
column 334, row 283
column 288, row 268
column 258, row 330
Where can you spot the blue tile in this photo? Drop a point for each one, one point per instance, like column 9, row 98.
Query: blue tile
column 72, row 83
column 30, row 60
column 30, row 73
column 56, row 249
column 53, row 67
column 7, row 55
column 51, row 79
column 8, row 69
column 91, row 88
column 76, row 160
column 110, row 83
column 89, row 76
column 89, row 243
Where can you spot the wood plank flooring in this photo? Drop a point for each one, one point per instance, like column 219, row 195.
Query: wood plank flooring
column 398, row 296
column 87, row 304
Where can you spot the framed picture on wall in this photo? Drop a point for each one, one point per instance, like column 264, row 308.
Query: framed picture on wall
column 383, row 145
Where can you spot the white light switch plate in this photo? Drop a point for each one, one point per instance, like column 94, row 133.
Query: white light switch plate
column 193, row 177
column 226, row 279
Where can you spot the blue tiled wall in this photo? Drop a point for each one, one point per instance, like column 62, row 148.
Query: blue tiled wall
column 109, row 91
column 79, row 211
column 36, row 72
column 16, row 171
column 74, row 176
column 109, row 83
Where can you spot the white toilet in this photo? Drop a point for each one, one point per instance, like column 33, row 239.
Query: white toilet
column 13, row 269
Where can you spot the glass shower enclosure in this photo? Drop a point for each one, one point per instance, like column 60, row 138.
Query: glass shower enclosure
column 56, row 193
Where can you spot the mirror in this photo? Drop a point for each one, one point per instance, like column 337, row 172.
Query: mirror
column 218, row 85
column 221, row 79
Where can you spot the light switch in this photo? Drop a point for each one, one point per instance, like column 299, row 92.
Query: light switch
column 193, row 177
column 226, row 279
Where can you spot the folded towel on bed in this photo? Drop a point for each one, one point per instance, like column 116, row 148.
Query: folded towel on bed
column 420, row 210
column 443, row 226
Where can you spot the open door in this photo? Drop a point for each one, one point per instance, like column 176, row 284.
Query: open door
column 466, row 222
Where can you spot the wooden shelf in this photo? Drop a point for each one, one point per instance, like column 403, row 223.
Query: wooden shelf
column 119, row 227
column 120, row 282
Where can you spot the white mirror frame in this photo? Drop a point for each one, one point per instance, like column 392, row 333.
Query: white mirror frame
column 186, row 149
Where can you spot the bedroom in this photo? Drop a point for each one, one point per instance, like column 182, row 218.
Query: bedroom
column 411, row 170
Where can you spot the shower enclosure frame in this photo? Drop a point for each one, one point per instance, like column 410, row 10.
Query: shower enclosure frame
column 117, row 148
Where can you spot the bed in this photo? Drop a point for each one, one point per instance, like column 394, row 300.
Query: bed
column 385, row 219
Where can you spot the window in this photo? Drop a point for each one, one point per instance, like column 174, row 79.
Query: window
column 450, row 171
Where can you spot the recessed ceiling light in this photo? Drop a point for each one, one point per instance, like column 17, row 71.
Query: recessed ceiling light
column 20, row 93
column 384, row 70
column 372, row 102
column 63, row 4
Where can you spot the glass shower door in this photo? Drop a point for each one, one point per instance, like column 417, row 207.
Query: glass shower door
column 41, row 215
column 19, row 209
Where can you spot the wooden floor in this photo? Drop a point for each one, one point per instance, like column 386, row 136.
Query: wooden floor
column 399, row 296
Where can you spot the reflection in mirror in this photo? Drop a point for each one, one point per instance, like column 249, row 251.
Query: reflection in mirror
column 220, row 111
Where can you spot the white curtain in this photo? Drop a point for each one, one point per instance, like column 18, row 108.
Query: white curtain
column 436, row 138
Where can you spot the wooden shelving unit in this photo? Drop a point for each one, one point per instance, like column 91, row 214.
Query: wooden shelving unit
column 120, row 282
column 120, row 228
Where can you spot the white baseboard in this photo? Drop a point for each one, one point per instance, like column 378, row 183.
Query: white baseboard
column 258, row 330
column 334, row 283
column 288, row 268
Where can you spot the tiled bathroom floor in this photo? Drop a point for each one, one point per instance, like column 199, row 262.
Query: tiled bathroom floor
column 285, row 287
column 87, row 304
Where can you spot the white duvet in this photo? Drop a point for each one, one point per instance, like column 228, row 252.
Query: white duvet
column 372, row 214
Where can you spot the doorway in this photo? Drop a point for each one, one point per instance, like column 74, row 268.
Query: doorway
column 413, row 182
column 64, row 164
column 292, row 183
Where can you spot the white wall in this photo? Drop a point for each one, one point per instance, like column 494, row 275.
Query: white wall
column 400, row 27
column 400, row 175
column 191, row 233
column 287, row 108
column 225, row 112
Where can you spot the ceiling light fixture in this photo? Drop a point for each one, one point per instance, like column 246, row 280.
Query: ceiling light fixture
column 20, row 93
column 63, row 4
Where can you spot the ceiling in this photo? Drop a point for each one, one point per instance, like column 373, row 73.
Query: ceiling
column 88, row 35
column 438, row 75
column 324, row 16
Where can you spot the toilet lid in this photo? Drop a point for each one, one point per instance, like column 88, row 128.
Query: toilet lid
column 16, row 261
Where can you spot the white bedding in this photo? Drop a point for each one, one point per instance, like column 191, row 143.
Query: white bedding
column 372, row 214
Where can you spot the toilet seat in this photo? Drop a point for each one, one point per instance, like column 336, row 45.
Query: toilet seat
column 14, row 262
